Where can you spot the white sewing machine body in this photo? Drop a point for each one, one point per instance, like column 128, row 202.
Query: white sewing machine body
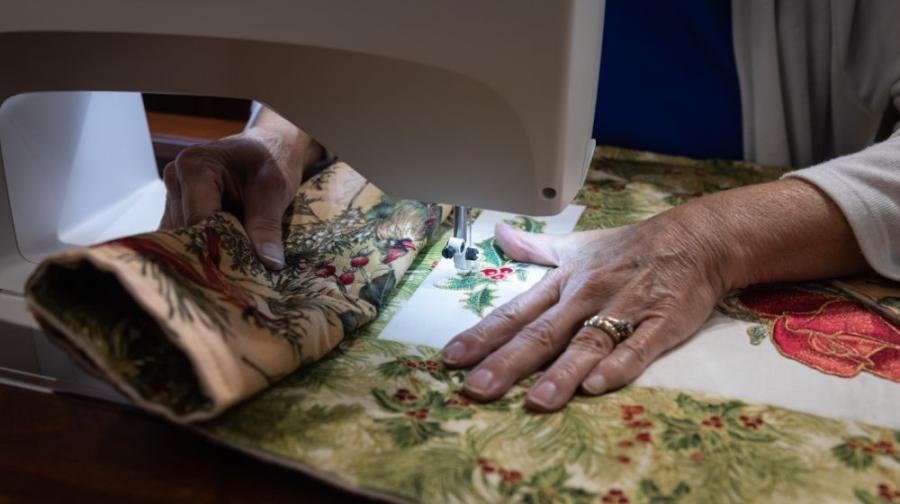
column 479, row 103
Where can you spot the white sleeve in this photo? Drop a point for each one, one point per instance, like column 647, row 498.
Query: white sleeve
column 866, row 187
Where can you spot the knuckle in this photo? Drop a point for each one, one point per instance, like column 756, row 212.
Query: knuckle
column 590, row 284
column 170, row 175
column 504, row 315
column 270, row 183
column 565, row 370
column 539, row 334
column 501, row 363
column 191, row 153
column 635, row 354
column 593, row 340
column 193, row 160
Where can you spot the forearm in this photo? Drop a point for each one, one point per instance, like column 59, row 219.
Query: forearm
column 786, row 230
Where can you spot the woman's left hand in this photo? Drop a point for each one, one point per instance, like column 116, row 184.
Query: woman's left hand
column 663, row 275
column 658, row 275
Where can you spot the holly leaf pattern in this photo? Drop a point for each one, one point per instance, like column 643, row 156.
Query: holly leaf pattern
column 466, row 281
column 649, row 490
column 852, row 452
column 491, row 253
column 480, row 300
column 480, row 297
column 408, row 432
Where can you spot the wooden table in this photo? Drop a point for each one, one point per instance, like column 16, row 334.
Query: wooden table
column 69, row 449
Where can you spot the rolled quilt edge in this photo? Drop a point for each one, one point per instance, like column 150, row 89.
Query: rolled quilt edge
column 188, row 322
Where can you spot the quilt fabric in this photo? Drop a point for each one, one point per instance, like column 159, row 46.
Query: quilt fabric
column 288, row 367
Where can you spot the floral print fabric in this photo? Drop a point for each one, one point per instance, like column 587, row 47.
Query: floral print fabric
column 386, row 419
column 189, row 322
column 822, row 328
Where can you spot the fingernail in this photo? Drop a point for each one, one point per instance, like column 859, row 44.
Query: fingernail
column 594, row 385
column 479, row 381
column 273, row 254
column 454, row 352
column 545, row 395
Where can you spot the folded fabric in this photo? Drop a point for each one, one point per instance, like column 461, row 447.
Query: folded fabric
column 189, row 322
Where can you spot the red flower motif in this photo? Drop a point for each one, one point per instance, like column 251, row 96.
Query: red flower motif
column 827, row 332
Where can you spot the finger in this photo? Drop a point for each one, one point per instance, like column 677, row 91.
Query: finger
column 201, row 187
column 560, row 382
column 534, row 345
column 631, row 357
column 172, row 217
column 540, row 248
column 166, row 221
column 501, row 324
column 264, row 208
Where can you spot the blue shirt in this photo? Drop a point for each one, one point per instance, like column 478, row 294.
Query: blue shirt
column 668, row 79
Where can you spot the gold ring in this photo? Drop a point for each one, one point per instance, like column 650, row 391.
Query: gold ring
column 617, row 329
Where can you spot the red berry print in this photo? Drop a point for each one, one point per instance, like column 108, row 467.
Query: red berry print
column 622, row 459
column 888, row 494
column 347, row 278
column 507, row 476
column 714, row 421
column 752, row 423
column 359, row 261
column 404, row 395
column 629, row 411
column 614, row 496
column 418, row 414
column 643, row 437
column 496, row 274
column 458, row 401
column 886, row 447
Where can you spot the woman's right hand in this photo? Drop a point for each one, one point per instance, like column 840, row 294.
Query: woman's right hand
column 256, row 172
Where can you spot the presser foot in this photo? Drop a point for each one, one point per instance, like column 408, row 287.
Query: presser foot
column 465, row 258
column 458, row 248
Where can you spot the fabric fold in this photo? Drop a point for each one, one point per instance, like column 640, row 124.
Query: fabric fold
column 186, row 323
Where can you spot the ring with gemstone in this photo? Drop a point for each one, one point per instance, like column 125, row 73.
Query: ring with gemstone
column 617, row 329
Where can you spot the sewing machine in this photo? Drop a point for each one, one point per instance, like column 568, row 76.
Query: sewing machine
column 477, row 103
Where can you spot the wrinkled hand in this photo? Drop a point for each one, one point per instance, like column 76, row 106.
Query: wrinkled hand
column 255, row 173
column 660, row 275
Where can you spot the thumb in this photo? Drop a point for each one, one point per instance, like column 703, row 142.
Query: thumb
column 546, row 249
column 264, row 208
